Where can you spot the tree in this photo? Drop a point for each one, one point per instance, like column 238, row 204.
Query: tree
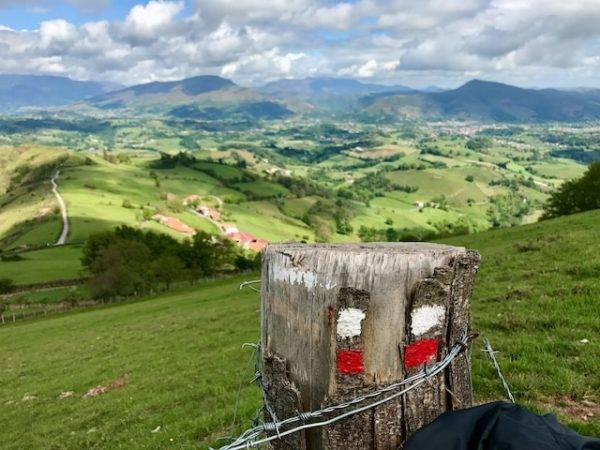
column 479, row 143
column 122, row 269
column 7, row 285
column 576, row 196
column 208, row 253
column 167, row 269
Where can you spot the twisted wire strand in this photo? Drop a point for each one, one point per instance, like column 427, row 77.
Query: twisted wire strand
column 250, row 438
column 487, row 348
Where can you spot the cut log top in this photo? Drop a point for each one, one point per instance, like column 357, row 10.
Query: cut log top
column 374, row 247
column 356, row 265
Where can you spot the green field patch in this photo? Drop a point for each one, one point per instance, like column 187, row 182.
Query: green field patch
column 39, row 266
column 563, row 169
column 434, row 183
column 221, row 171
column 297, row 207
column 198, row 222
column 261, row 189
column 265, row 220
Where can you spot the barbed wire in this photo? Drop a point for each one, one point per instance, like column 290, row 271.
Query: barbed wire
column 487, row 348
column 251, row 437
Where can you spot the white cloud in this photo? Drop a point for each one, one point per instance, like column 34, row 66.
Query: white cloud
column 56, row 33
column 146, row 22
column 421, row 42
column 271, row 62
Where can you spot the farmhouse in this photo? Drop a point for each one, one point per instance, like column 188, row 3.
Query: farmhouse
column 209, row 212
column 248, row 241
column 229, row 228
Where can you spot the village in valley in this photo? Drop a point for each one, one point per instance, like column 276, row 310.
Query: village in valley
column 230, row 230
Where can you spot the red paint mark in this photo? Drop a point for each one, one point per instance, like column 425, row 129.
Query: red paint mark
column 420, row 352
column 350, row 361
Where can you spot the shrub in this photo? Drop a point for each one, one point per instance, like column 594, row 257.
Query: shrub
column 7, row 285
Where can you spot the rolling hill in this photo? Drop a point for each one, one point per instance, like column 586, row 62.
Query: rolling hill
column 177, row 369
column 322, row 92
column 488, row 101
column 205, row 97
column 20, row 91
column 325, row 86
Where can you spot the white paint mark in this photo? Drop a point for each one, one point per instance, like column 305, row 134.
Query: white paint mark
column 295, row 276
column 349, row 322
column 426, row 317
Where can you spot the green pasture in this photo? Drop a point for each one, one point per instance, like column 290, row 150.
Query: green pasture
column 39, row 266
column 183, row 371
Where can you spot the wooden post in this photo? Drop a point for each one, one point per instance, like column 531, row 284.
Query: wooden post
column 341, row 320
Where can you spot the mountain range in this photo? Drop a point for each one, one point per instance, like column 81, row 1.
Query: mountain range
column 41, row 91
column 210, row 97
column 488, row 101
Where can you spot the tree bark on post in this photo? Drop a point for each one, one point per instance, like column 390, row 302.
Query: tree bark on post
column 341, row 320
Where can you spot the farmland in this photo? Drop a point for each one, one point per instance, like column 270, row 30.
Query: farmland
column 433, row 176
column 287, row 180
column 180, row 365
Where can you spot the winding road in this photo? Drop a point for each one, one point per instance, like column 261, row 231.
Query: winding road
column 62, row 240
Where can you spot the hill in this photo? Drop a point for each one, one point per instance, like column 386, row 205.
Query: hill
column 322, row 92
column 488, row 101
column 205, row 97
column 176, row 365
column 41, row 91
column 325, row 86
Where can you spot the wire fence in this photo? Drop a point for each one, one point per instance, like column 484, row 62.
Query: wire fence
column 487, row 348
column 277, row 429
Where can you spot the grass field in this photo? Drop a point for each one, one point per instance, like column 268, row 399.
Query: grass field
column 536, row 299
column 39, row 266
column 180, row 356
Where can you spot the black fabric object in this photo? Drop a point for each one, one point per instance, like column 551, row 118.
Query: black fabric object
column 498, row 426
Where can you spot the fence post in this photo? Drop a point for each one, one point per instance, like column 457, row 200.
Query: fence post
column 341, row 320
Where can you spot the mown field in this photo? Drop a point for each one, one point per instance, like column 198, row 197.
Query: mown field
column 178, row 362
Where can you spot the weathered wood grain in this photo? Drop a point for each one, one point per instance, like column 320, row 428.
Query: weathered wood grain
column 314, row 297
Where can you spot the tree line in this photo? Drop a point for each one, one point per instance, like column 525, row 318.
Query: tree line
column 127, row 261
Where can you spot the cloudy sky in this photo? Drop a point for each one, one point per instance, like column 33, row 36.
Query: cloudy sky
column 412, row 42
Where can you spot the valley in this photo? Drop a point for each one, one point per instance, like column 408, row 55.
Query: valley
column 128, row 222
column 283, row 180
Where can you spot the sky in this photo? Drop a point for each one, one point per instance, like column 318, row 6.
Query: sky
column 417, row 43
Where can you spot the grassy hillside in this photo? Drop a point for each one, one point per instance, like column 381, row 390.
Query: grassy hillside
column 27, row 205
column 536, row 299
